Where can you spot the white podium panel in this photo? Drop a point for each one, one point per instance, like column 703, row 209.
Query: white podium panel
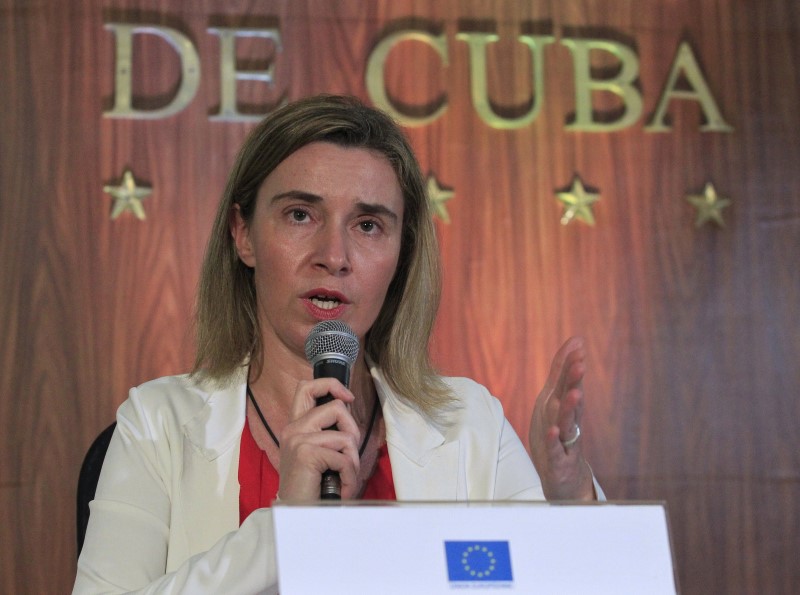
column 420, row 548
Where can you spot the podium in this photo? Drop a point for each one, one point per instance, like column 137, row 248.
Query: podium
column 492, row 547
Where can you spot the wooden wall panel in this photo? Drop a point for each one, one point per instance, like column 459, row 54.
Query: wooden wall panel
column 692, row 333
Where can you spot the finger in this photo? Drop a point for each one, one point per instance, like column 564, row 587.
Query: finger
column 566, row 372
column 571, row 384
column 347, row 468
column 302, row 469
column 560, row 459
column 308, row 391
column 334, row 413
column 570, row 346
column 320, row 419
column 569, row 414
column 314, row 449
column 556, row 453
column 573, row 370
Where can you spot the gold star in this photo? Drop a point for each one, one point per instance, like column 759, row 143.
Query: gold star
column 128, row 196
column 438, row 197
column 577, row 203
column 709, row 206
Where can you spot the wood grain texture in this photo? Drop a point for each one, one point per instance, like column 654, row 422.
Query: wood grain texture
column 692, row 334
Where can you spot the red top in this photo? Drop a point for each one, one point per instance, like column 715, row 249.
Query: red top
column 258, row 479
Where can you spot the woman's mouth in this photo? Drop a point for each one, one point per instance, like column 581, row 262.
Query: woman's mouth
column 325, row 302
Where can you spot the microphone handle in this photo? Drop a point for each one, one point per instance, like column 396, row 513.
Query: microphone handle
column 331, row 485
column 334, row 367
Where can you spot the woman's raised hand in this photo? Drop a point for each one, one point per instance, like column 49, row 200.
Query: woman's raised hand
column 554, row 436
column 308, row 449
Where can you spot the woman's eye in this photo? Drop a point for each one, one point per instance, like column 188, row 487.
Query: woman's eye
column 299, row 215
column 368, row 226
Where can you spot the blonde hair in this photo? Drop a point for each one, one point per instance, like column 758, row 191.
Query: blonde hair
column 227, row 328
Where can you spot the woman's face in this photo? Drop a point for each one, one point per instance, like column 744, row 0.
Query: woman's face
column 324, row 241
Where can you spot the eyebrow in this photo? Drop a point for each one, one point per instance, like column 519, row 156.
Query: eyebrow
column 375, row 209
column 308, row 197
column 296, row 195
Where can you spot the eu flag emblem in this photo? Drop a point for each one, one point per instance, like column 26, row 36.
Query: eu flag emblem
column 478, row 561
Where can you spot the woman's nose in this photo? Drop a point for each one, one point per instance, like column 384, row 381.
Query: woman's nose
column 333, row 250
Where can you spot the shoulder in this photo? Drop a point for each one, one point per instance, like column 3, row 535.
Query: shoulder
column 474, row 409
column 173, row 399
column 169, row 393
column 178, row 388
column 473, row 396
column 471, row 406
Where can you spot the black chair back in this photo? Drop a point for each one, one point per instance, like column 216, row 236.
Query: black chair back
column 87, row 480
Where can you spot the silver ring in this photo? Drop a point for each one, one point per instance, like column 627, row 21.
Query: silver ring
column 574, row 439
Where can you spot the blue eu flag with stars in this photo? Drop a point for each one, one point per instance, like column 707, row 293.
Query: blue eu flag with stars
column 478, row 561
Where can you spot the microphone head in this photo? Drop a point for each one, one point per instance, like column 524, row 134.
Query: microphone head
column 331, row 338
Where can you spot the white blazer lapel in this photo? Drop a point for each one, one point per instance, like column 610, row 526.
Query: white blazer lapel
column 210, row 480
column 424, row 465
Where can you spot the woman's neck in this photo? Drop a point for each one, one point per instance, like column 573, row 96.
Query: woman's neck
column 275, row 386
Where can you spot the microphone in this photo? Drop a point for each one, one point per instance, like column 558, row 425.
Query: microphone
column 331, row 348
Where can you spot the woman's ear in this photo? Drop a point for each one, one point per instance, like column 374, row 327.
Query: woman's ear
column 241, row 237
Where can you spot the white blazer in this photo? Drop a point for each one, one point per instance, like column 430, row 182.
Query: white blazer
column 165, row 518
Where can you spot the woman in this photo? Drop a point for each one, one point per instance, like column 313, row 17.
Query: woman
column 324, row 217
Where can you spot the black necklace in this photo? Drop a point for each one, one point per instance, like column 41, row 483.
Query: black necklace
column 275, row 438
